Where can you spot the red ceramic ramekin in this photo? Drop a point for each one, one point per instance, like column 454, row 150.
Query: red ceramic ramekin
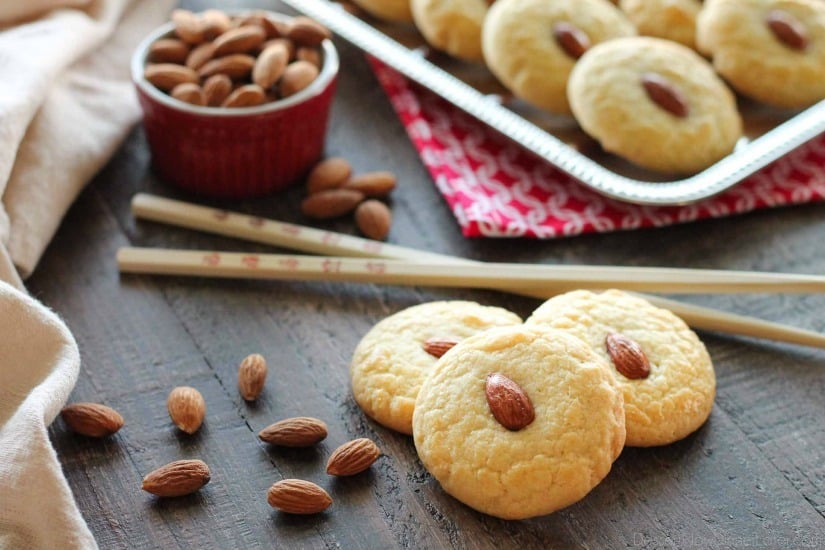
column 235, row 152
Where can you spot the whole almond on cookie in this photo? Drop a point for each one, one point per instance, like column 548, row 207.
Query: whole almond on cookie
column 252, row 376
column 373, row 184
column 353, row 457
column 510, row 406
column 270, row 65
column 296, row 496
column 91, row 419
column 439, row 346
column 178, row 478
column 331, row 203
column 297, row 76
column 187, row 408
column 627, row 356
column 300, row 431
column 166, row 76
column 373, row 219
column 168, row 50
column 216, row 89
column 328, row 174
column 239, row 40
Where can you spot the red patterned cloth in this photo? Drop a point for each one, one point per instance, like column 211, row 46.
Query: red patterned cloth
column 495, row 188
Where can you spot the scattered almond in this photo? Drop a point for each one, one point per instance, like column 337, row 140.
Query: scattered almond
column 189, row 92
column 252, row 376
column 439, row 346
column 168, row 50
column 187, row 408
column 510, row 406
column 373, row 184
column 239, row 40
column 216, row 89
column 307, row 32
column 331, row 203
column 178, row 478
column 248, row 95
column 270, row 65
column 373, row 219
column 328, row 174
column 627, row 356
column 91, row 419
column 166, row 76
column 296, row 496
column 301, row 431
column 353, row 457
column 235, row 66
column 297, row 76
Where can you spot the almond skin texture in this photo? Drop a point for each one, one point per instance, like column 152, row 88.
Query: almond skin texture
column 245, row 96
column 438, row 346
column 663, row 93
column 179, row 478
column 215, row 23
column 373, row 184
column 627, row 356
column 572, row 40
column 373, row 219
column 199, row 55
column 166, row 76
column 328, row 174
column 297, row 76
column 331, row 204
column 216, row 89
column 91, row 419
column 301, row 431
column 307, row 32
column 270, row 65
column 252, row 376
column 510, row 406
column 296, row 496
column 353, row 457
column 189, row 93
column 187, row 408
column 168, row 50
column 236, row 66
column 787, row 29
column 239, row 40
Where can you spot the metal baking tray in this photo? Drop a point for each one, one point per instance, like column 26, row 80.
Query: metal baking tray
column 769, row 133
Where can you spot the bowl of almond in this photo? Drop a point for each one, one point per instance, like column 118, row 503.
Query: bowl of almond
column 235, row 105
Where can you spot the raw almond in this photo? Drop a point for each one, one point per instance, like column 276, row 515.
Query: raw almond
column 187, row 408
column 270, row 65
column 215, row 23
column 572, row 39
column 297, row 76
column 353, row 457
column 168, row 50
column 787, row 29
column 235, row 66
column 439, row 346
column 189, row 92
column 373, row 219
column 328, row 174
column 510, row 406
column 166, row 76
column 627, row 356
column 178, row 478
column 307, row 32
column 91, row 419
column 216, row 89
column 260, row 20
column 373, row 184
column 311, row 55
column 252, row 376
column 188, row 26
column 285, row 42
column 248, row 95
column 199, row 55
column 331, row 203
column 296, row 496
column 664, row 93
column 301, row 431
column 239, row 40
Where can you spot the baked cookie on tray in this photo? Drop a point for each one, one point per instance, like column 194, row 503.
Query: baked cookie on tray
column 663, row 369
column 453, row 26
column 532, row 45
column 670, row 19
column 656, row 103
column 519, row 421
column 770, row 50
column 387, row 10
column 391, row 360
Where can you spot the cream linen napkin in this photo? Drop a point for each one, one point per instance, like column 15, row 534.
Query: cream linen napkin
column 66, row 103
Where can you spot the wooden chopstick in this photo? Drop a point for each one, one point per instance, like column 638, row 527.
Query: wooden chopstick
column 502, row 276
column 308, row 239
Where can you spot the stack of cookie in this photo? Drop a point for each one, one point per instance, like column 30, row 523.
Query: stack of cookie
column 648, row 79
column 519, row 419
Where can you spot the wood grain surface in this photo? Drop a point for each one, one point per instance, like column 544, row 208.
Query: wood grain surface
column 753, row 476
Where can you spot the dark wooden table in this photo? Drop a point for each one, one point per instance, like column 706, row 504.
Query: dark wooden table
column 753, row 476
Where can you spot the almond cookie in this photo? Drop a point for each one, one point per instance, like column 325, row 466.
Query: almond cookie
column 770, row 50
column 519, row 421
column 387, row 10
column 453, row 26
column 393, row 358
column 532, row 45
column 670, row 19
column 655, row 103
column 662, row 367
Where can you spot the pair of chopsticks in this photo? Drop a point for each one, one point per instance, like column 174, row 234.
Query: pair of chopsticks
column 349, row 258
